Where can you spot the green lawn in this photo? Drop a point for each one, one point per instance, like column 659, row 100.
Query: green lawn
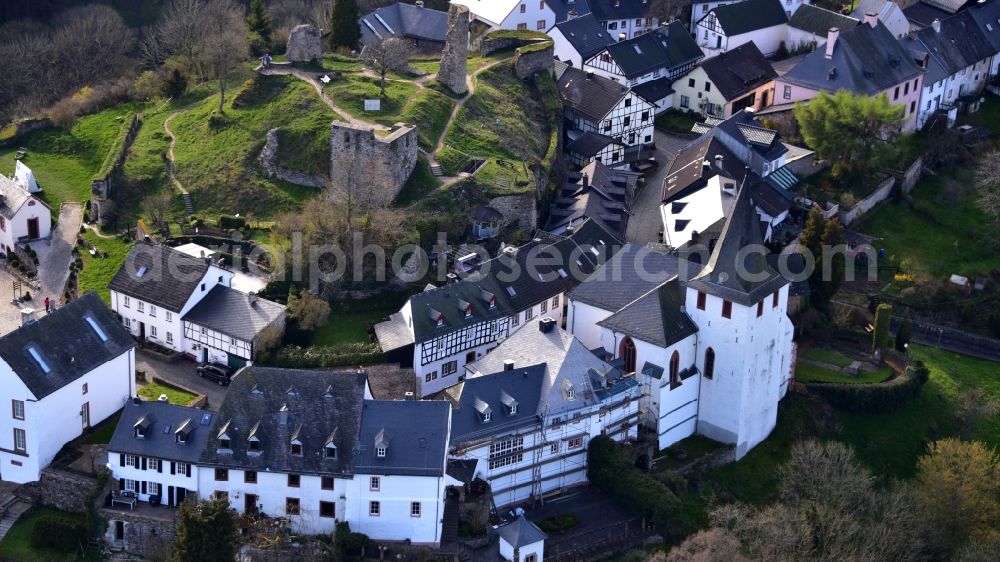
column 421, row 182
column 826, row 356
column 152, row 391
column 98, row 272
column 351, row 320
column 17, row 544
column 812, row 373
column 218, row 162
column 677, row 121
column 102, row 433
column 64, row 163
column 942, row 232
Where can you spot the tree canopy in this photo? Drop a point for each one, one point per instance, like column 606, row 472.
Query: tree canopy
column 856, row 133
column 344, row 29
column 206, row 531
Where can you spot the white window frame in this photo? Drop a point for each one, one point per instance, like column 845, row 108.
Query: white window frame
column 132, row 461
column 374, row 508
column 20, row 439
column 374, row 484
column 414, row 509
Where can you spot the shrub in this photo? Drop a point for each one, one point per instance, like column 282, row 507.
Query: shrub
column 58, row 533
column 349, row 542
column 227, row 222
column 874, row 398
column 340, row 355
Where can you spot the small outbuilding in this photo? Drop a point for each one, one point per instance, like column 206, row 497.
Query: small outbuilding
column 521, row 540
column 486, row 222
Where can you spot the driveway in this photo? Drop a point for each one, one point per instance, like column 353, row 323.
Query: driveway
column 181, row 372
column 645, row 223
column 54, row 257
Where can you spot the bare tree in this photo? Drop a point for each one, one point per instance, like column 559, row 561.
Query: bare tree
column 667, row 10
column 156, row 207
column 181, row 28
column 988, row 184
column 386, row 56
column 224, row 44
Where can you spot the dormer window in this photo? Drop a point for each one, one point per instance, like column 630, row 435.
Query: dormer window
column 253, row 445
column 183, row 431
column 569, row 391
column 296, row 448
column 380, row 452
column 513, row 408
column 330, row 451
column 141, row 426
column 487, row 416
column 225, row 443
column 484, row 410
column 381, row 444
column 509, row 403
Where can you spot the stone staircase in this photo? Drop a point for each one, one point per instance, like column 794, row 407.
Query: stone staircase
column 436, row 169
column 11, row 509
column 449, row 529
column 188, row 203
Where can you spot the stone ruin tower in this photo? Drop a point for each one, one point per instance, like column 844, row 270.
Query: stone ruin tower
column 304, row 44
column 456, row 50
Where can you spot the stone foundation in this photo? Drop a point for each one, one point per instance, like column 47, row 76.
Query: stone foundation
column 66, row 491
column 369, row 165
column 136, row 534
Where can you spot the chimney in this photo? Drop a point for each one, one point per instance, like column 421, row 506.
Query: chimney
column 718, row 162
column 695, row 236
column 831, row 40
column 252, row 299
column 27, row 316
column 572, row 14
column 419, row 3
column 590, row 75
column 508, row 365
column 283, row 415
column 618, row 3
column 546, row 324
column 871, row 18
column 936, row 24
column 585, row 179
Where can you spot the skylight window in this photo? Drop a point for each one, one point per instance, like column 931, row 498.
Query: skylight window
column 96, row 327
column 141, row 272
column 511, row 291
column 33, row 351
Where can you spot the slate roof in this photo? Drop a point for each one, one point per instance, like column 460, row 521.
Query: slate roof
column 168, row 277
column 866, row 60
column 739, row 71
column 654, row 90
column 521, row 532
column 749, row 15
column 722, row 274
column 605, row 10
column 524, row 384
column 406, row 20
column 605, row 198
column 656, row 317
column 987, row 16
column 66, row 343
column 589, row 94
column 744, row 128
column 416, row 432
column 320, row 405
column 589, row 144
column 664, row 47
column 586, row 35
column 12, row 197
column 553, row 252
column 818, row 21
column 631, row 273
column 562, row 8
column 162, row 420
column 923, row 14
column 688, row 170
column 958, row 45
column 232, row 313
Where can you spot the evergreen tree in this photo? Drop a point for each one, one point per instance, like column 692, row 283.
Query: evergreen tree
column 344, row 28
column 904, row 334
column 206, row 531
column 259, row 24
column 831, row 277
column 175, row 85
column 880, row 335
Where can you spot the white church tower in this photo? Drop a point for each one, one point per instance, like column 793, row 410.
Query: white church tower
column 744, row 333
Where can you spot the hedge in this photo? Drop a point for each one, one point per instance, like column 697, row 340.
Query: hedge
column 227, row 222
column 58, row 533
column 874, row 398
column 340, row 355
column 636, row 491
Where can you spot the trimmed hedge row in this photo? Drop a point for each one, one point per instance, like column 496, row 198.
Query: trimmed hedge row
column 348, row 354
column 58, row 533
column 634, row 490
column 874, row 398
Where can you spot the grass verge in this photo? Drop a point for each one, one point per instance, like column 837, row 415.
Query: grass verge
column 17, row 544
column 152, row 391
column 98, row 272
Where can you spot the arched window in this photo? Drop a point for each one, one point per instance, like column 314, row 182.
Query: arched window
column 675, row 370
column 709, row 363
column 626, row 352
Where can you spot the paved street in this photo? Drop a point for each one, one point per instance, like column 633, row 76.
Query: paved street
column 644, row 225
column 182, row 372
column 54, row 256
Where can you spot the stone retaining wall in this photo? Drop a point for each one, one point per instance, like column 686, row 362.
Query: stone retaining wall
column 101, row 188
column 530, row 63
column 24, row 127
column 67, row 491
column 147, row 537
column 273, row 169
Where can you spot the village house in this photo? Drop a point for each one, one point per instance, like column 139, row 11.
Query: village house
column 442, row 329
column 987, row 17
column 700, row 8
column 809, row 26
column 576, row 40
column 713, row 349
column 958, row 58
column 510, row 14
column 527, row 410
column 61, row 374
column 922, row 14
column 23, row 216
column 887, row 12
column 310, row 447
column 762, row 22
column 422, row 27
column 660, row 56
column 865, row 60
column 597, row 193
column 521, row 540
column 186, row 304
column 623, row 19
column 601, row 114
column 726, row 84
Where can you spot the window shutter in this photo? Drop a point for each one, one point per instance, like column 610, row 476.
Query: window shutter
column 159, row 466
column 121, row 484
column 143, row 487
column 173, row 467
column 121, row 459
column 144, row 463
column 188, row 472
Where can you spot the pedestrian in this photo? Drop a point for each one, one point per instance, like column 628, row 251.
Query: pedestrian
column 46, row 305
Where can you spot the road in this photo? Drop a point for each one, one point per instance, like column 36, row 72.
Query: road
column 645, row 223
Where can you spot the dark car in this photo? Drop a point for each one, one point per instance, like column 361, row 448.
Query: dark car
column 221, row 374
column 646, row 166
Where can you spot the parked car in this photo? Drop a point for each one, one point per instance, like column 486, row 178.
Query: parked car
column 221, row 374
column 647, row 166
